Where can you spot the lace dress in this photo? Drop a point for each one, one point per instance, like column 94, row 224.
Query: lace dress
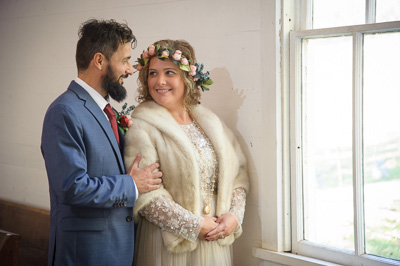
column 164, row 214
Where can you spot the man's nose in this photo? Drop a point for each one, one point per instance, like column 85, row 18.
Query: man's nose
column 129, row 69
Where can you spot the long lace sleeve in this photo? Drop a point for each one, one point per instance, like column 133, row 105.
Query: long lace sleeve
column 238, row 204
column 172, row 217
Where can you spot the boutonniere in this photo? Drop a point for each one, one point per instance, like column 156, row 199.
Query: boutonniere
column 124, row 120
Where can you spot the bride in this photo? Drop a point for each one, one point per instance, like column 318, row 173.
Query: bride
column 196, row 215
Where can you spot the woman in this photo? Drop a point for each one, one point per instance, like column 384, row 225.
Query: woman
column 197, row 213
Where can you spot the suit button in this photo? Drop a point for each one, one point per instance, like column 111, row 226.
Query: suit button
column 129, row 219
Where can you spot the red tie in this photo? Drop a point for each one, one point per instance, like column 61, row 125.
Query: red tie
column 111, row 116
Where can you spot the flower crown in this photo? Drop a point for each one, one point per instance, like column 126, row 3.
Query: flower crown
column 195, row 70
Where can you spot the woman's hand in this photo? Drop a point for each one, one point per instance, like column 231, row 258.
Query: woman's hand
column 226, row 224
column 209, row 223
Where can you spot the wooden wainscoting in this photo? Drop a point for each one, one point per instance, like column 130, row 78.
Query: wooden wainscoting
column 31, row 225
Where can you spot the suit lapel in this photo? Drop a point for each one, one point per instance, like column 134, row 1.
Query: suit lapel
column 98, row 114
column 121, row 141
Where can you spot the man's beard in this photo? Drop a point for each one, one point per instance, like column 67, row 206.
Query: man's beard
column 115, row 90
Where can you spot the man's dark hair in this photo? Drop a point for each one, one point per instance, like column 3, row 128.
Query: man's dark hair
column 101, row 36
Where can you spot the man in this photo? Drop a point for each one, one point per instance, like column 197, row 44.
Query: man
column 91, row 196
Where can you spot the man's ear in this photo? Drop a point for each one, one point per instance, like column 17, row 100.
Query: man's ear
column 99, row 61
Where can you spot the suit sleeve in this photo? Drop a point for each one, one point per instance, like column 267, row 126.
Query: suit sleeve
column 64, row 148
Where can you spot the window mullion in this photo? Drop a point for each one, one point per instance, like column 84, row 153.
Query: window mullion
column 370, row 11
column 359, row 231
column 306, row 15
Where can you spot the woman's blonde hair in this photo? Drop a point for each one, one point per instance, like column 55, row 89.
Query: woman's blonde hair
column 192, row 92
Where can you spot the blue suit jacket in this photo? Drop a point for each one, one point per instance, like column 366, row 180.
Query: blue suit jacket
column 92, row 199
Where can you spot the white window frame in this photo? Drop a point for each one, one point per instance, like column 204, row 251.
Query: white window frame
column 280, row 244
column 299, row 245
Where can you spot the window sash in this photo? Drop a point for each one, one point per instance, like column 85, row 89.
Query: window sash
column 299, row 245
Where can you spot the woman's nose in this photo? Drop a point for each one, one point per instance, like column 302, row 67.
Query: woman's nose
column 162, row 80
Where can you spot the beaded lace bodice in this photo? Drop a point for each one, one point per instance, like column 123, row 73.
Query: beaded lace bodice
column 172, row 217
column 208, row 164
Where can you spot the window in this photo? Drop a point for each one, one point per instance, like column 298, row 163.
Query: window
column 345, row 132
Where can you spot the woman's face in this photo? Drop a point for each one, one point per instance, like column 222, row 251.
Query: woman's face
column 166, row 85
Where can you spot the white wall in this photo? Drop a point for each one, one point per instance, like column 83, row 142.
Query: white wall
column 236, row 39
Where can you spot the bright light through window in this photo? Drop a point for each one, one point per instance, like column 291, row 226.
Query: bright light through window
column 327, row 141
column 338, row 13
column 387, row 10
column 382, row 144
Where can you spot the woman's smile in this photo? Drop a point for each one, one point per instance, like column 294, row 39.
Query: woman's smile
column 163, row 91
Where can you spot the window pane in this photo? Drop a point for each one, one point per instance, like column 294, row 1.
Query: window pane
column 327, row 141
column 387, row 10
column 338, row 13
column 382, row 144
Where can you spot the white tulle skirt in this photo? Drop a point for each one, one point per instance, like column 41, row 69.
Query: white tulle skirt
column 151, row 251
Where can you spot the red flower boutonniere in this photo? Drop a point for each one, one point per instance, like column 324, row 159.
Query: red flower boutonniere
column 123, row 119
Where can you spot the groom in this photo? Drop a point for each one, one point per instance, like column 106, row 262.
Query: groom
column 91, row 195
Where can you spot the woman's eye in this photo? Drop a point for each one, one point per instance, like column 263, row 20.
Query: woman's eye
column 152, row 73
column 170, row 72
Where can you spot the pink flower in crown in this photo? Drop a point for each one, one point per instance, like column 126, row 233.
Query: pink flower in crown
column 177, row 55
column 139, row 67
column 152, row 49
column 145, row 55
column 195, row 79
column 165, row 53
column 184, row 61
column 192, row 70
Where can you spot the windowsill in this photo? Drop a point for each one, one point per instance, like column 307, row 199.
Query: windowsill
column 288, row 258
